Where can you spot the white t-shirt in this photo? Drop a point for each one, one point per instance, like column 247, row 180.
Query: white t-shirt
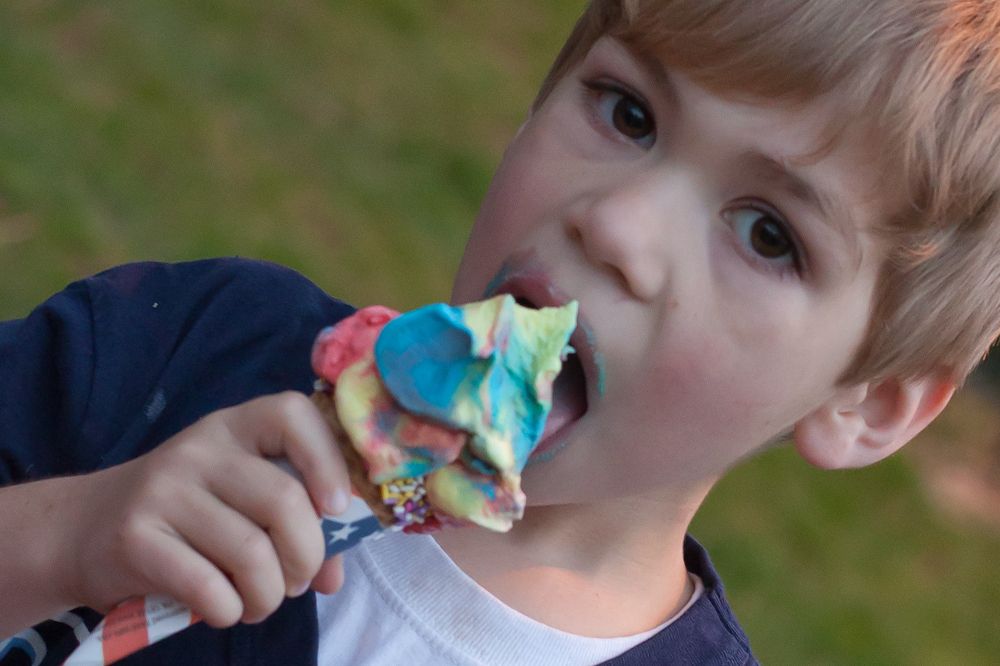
column 405, row 602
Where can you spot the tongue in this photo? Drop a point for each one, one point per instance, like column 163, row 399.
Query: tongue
column 569, row 397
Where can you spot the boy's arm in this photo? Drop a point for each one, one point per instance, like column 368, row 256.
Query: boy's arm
column 110, row 368
column 46, row 375
column 204, row 518
column 30, row 549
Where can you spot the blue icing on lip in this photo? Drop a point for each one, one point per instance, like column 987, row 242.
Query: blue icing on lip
column 496, row 281
column 486, row 368
column 597, row 356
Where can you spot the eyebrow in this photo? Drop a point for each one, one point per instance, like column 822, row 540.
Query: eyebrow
column 830, row 210
column 654, row 67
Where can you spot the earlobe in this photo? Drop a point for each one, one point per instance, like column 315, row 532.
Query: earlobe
column 863, row 424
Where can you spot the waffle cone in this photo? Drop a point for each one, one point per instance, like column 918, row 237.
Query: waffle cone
column 363, row 488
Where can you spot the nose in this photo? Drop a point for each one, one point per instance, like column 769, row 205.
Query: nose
column 624, row 231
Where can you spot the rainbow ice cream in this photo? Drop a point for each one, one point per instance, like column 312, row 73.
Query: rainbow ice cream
column 446, row 401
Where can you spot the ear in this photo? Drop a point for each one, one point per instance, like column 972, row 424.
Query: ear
column 863, row 424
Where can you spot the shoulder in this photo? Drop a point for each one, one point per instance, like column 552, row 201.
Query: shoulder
column 205, row 306
column 204, row 283
column 116, row 363
column 173, row 342
column 225, row 322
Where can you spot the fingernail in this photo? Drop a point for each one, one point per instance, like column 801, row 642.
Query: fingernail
column 299, row 591
column 337, row 501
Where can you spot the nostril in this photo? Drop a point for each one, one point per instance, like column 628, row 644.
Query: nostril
column 588, row 245
column 620, row 277
column 623, row 254
column 574, row 234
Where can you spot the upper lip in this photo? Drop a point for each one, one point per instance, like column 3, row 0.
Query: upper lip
column 532, row 284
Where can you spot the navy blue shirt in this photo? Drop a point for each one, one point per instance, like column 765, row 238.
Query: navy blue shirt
column 116, row 364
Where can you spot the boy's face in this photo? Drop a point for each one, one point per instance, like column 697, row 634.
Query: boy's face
column 721, row 292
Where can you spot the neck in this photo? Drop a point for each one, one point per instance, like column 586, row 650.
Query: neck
column 613, row 568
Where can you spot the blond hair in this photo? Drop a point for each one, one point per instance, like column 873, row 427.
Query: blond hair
column 926, row 74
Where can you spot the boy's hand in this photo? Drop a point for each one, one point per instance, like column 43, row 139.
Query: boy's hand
column 206, row 519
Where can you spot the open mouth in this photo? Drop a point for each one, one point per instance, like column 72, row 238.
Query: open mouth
column 570, row 397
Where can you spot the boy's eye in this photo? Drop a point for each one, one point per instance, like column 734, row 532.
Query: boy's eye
column 624, row 112
column 767, row 237
column 631, row 119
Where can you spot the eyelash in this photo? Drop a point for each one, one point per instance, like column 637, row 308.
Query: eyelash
column 796, row 266
column 596, row 90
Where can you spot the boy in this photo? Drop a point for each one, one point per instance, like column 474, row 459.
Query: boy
column 777, row 218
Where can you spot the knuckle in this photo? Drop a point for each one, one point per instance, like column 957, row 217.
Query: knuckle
column 302, row 563
column 200, row 586
column 158, row 491
column 149, row 503
column 131, row 536
column 225, row 616
column 292, row 404
column 312, row 556
column 212, row 598
column 287, row 498
column 184, row 455
column 263, row 600
column 274, row 595
column 255, row 552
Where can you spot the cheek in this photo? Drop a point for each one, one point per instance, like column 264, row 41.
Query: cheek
column 783, row 348
column 722, row 393
column 705, row 378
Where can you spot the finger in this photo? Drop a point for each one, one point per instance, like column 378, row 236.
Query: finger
column 237, row 546
column 289, row 425
column 330, row 577
column 278, row 504
column 171, row 567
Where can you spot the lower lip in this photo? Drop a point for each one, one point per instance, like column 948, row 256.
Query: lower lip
column 552, row 444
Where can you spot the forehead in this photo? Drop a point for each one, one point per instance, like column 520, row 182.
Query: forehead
column 806, row 126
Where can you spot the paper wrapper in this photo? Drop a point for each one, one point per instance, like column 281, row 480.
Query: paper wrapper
column 142, row 621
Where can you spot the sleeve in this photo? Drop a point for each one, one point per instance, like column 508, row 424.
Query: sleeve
column 46, row 373
column 119, row 362
column 116, row 364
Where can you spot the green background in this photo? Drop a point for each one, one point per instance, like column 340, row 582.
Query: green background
column 353, row 142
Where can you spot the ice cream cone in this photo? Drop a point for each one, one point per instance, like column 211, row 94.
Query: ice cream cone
column 397, row 504
column 362, row 487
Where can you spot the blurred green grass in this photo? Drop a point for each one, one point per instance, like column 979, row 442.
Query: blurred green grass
column 353, row 141
column 325, row 135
